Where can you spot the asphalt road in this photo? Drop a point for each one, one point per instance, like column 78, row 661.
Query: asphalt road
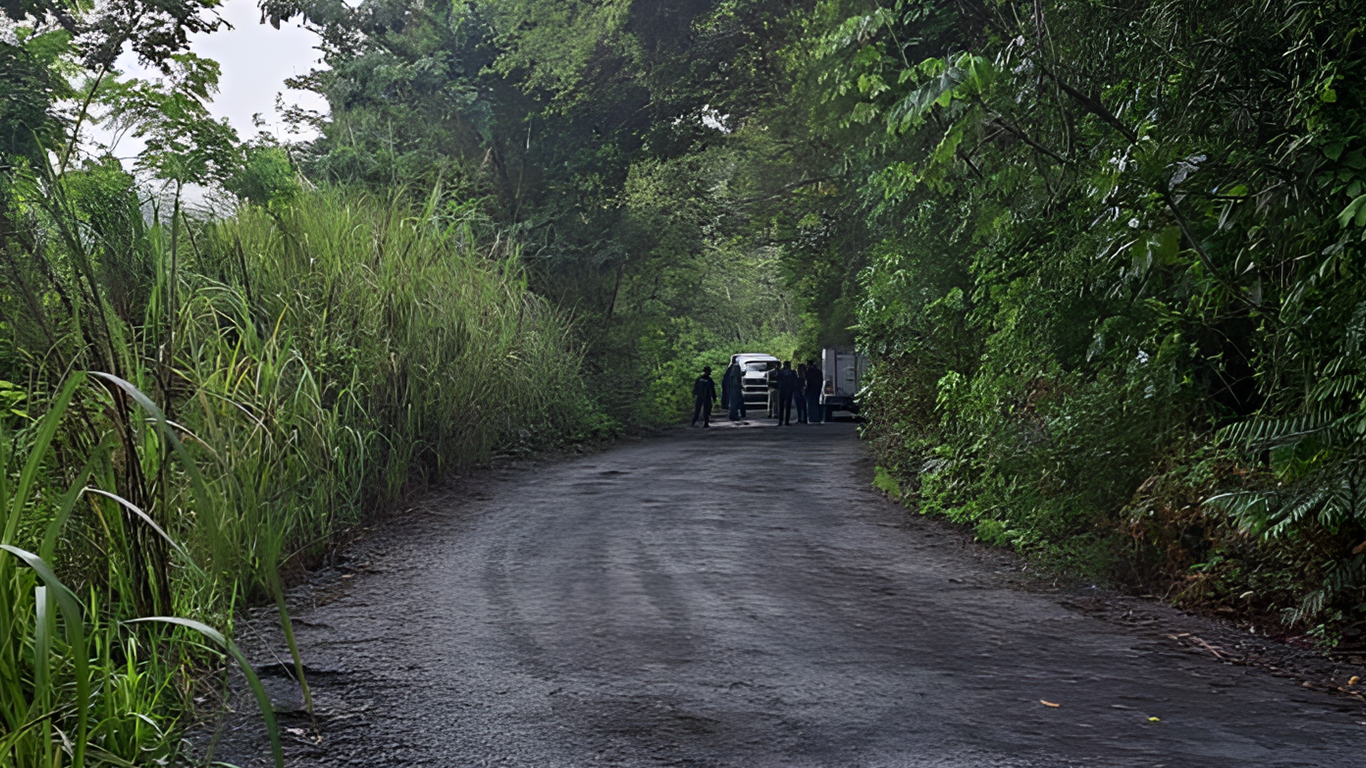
column 743, row 597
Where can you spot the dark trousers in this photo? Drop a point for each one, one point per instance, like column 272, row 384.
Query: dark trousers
column 801, row 407
column 702, row 407
column 737, row 408
column 785, row 407
column 815, row 412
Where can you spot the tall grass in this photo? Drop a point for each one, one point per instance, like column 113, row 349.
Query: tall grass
column 300, row 367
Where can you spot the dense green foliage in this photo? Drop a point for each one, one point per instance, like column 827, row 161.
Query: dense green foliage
column 1117, row 273
column 599, row 135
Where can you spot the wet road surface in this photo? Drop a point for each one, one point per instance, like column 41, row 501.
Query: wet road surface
column 743, row 597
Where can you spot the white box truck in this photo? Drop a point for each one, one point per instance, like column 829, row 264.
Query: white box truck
column 844, row 370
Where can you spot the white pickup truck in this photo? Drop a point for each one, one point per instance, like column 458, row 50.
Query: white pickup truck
column 844, row 370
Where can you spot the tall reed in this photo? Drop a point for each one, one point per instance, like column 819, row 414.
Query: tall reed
column 321, row 357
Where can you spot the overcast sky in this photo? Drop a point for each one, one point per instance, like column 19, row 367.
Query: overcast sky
column 255, row 59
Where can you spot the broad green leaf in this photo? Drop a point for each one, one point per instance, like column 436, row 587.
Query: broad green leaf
column 1167, row 249
column 1355, row 211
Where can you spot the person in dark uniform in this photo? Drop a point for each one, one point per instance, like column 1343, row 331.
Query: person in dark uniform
column 815, row 380
column 733, row 391
column 771, row 379
column 703, row 395
column 798, row 397
column 788, row 385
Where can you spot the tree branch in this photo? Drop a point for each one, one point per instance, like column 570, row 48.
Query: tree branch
column 1204, row 256
column 1092, row 105
column 785, row 189
column 1022, row 136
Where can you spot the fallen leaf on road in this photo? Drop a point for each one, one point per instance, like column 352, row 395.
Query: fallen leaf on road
column 1154, row 719
column 1354, row 680
column 1049, row 703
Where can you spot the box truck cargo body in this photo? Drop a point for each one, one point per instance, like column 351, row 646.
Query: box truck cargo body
column 844, row 370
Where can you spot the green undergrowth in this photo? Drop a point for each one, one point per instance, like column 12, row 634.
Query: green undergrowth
column 1104, row 480
column 1157, row 535
column 1114, row 289
column 191, row 405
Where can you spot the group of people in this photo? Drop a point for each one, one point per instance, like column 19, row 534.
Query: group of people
column 800, row 388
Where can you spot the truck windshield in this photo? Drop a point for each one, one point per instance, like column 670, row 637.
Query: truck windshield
column 760, row 365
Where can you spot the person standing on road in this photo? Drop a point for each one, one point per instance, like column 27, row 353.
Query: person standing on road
column 733, row 390
column 703, row 395
column 787, row 389
column 799, row 396
column 815, row 380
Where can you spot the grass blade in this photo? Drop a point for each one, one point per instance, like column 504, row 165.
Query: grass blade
column 262, row 699
column 47, row 428
column 69, row 499
column 75, row 635
column 131, row 507
column 201, row 491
